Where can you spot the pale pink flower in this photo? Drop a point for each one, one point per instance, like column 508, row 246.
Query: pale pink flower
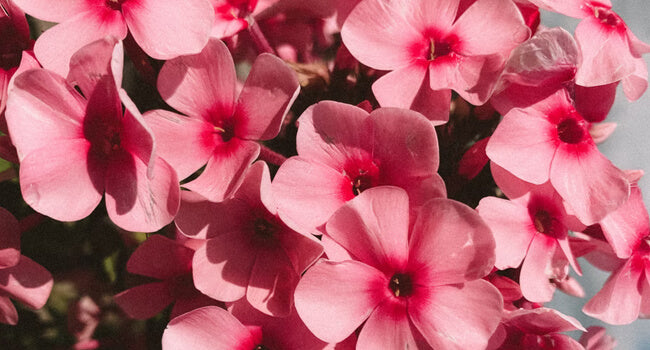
column 158, row 26
column 536, row 329
column 170, row 262
column 74, row 146
column 20, row 278
column 430, row 51
column 550, row 141
column 609, row 50
column 417, row 289
column 219, row 129
column 531, row 229
column 249, row 251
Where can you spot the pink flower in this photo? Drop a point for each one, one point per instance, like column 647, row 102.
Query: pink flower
column 171, row 262
column 609, row 50
column 20, row 277
column 536, row 329
column 218, row 130
column 212, row 328
column 74, row 146
column 158, row 26
column 249, row 251
column 550, row 140
column 414, row 289
column 429, row 51
column 343, row 151
column 531, row 227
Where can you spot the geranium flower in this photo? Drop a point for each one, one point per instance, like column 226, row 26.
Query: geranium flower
column 218, row 130
column 416, row 289
column 20, row 277
column 249, row 251
column 429, row 51
column 532, row 227
column 343, row 151
column 75, row 145
column 550, row 140
column 171, row 262
column 609, row 50
column 158, row 26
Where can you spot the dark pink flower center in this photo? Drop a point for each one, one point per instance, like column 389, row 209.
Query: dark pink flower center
column 105, row 139
column 264, row 229
column 534, row 341
column 571, row 130
column 114, row 4
column 225, row 128
column 438, row 49
column 401, row 285
column 607, row 16
column 363, row 175
column 543, row 221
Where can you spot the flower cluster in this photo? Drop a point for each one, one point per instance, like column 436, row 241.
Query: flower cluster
column 314, row 174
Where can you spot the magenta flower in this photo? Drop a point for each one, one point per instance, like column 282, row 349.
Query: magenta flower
column 536, row 329
column 532, row 228
column 429, row 51
column 218, row 130
column 411, row 288
column 550, row 140
column 170, row 262
column 213, row 328
column 20, row 277
column 158, row 26
column 343, row 151
column 249, row 250
column 74, row 146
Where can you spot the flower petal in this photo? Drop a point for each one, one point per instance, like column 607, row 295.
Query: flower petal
column 27, row 282
column 144, row 301
column 9, row 239
column 160, row 257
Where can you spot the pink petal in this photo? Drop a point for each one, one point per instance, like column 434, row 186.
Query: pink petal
column 346, row 292
column 573, row 8
column 379, row 33
column 8, row 313
column 43, row 9
column 619, row 300
column 256, row 188
column 136, row 137
column 137, row 202
column 408, row 87
column 595, row 102
column 9, row 239
column 200, row 218
column 27, row 282
column 606, row 56
column 185, row 143
column 159, row 26
column 542, row 321
column 272, row 283
column 61, row 174
column 589, row 182
column 43, row 108
column 523, row 144
column 450, row 243
column 323, row 191
column 536, row 269
column 596, row 338
column 194, row 300
column 405, row 143
column 55, row 47
column 333, row 133
column 512, row 228
column 373, row 227
column 626, row 226
column 388, row 327
column 269, row 91
column 504, row 30
column 460, row 316
column 200, row 84
column 302, row 250
column 333, row 250
column 225, row 170
column 635, row 84
column 197, row 329
column 510, row 185
column 144, row 301
column 160, row 257
column 99, row 60
column 222, row 267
